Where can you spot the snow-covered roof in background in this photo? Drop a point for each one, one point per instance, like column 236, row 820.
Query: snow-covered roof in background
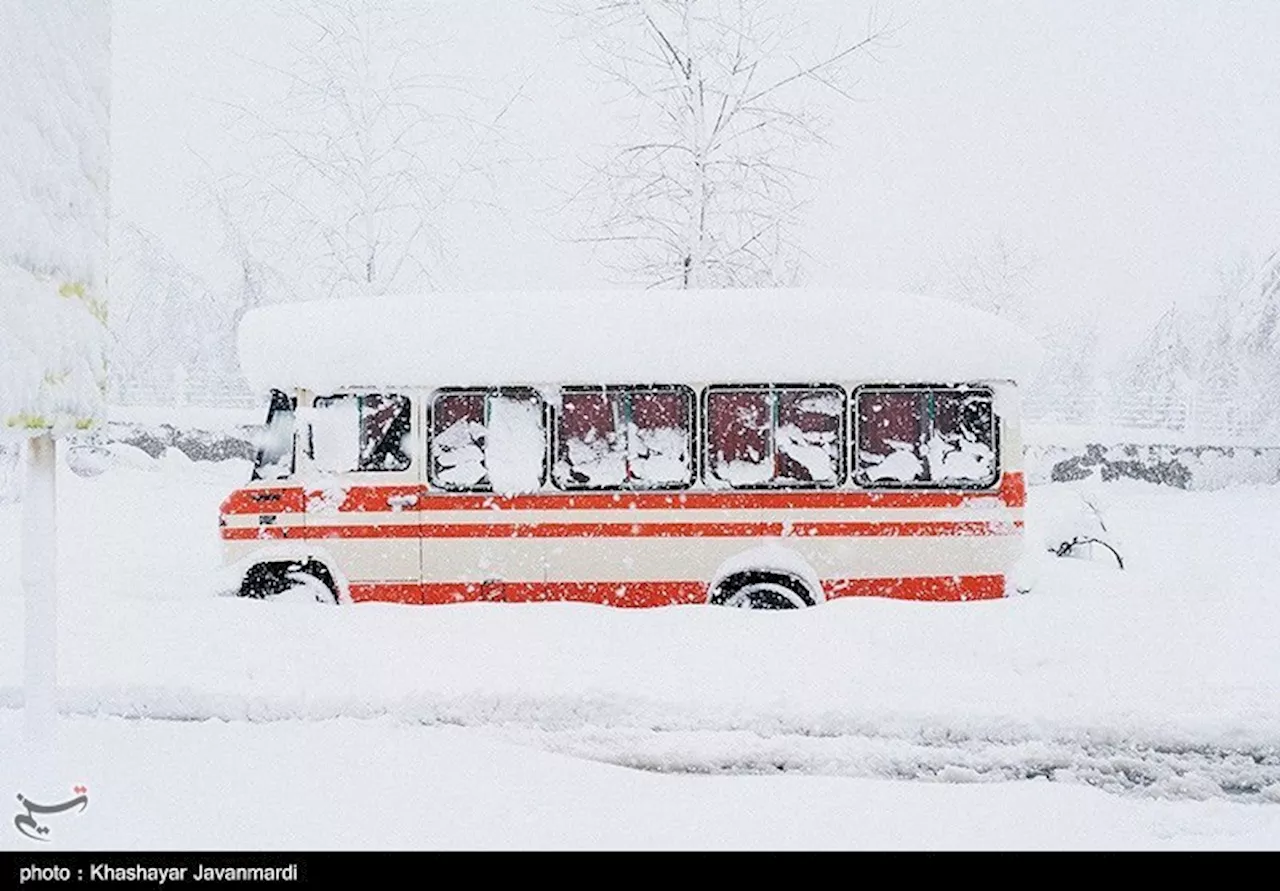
column 480, row 339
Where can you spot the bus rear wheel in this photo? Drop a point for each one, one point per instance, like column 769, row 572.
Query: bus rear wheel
column 762, row 590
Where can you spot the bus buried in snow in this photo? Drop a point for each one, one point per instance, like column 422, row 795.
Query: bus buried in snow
column 760, row 449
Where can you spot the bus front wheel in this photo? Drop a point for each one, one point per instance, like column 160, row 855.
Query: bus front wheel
column 299, row 581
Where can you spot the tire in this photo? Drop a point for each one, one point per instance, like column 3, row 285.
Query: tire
column 758, row 589
column 308, row 582
column 264, row 581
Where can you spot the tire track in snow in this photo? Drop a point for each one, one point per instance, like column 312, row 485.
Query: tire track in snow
column 1196, row 772
column 666, row 738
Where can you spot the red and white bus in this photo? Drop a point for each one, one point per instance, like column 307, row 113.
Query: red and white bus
column 763, row 449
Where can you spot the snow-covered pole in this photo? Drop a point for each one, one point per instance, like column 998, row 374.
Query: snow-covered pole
column 54, row 174
column 40, row 589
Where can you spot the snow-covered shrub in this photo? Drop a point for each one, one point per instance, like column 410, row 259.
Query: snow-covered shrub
column 1180, row 466
column 54, row 171
column 1068, row 523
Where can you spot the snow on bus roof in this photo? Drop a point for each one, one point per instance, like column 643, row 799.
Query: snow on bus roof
column 619, row 337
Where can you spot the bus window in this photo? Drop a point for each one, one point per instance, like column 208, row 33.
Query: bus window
column 808, row 436
column 660, row 438
column 739, row 438
column 774, row 436
column 488, row 440
column 925, row 436
column 625, row 438
column 457, row 441
column 361, row 433
column 591, row 449
column 385, row 422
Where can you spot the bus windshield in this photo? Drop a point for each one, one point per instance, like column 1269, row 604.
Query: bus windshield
column 274, row 457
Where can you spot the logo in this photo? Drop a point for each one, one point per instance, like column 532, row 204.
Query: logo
column 32, row 828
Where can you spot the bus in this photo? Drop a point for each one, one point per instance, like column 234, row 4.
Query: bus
column 763, row 449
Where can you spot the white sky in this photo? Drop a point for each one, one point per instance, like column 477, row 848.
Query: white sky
column 1133, row 148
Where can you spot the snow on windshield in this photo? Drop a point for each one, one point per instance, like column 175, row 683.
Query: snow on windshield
column 274, row 458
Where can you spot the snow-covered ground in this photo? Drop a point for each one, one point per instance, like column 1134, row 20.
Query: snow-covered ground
column 384, row 783
column 1106, row 708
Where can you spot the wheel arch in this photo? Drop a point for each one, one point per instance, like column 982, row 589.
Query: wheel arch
column 766, row 563
column 317, row 561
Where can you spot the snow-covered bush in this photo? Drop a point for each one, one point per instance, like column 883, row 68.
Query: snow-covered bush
column 1070, row 523
column 1182, row 466
column 54, row 171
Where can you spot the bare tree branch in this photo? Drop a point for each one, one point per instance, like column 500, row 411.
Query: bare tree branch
column 365, row 148
column 705, row 194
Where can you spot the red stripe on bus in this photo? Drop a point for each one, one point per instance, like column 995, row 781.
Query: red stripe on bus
column 371, row 499
column 265, row 501
column 628, row 530
column 265, row 533
column 708, row 530
column 946, row 587
column 1013, row 490
column 624, row 594
column 370, row 530
column 666, row 593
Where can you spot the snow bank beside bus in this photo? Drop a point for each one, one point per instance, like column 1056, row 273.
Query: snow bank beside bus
column 482, row 339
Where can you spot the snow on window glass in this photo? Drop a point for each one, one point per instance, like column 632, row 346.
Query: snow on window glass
column 659, row 432
column 933, row 436
column 361, row 433
column 807, row 435
column 457, row 441
column 635, row 438
column 517, row 447
column 488, row 441
column 385, row 422
column 774, row 436
column 739, row 438
column 335, row 434
column 592, row 451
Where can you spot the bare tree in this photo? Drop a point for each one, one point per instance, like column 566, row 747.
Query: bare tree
column 1254, row 319
column 366, row 148
column 706, row 191
column 1217, row 355
column 999, row 277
